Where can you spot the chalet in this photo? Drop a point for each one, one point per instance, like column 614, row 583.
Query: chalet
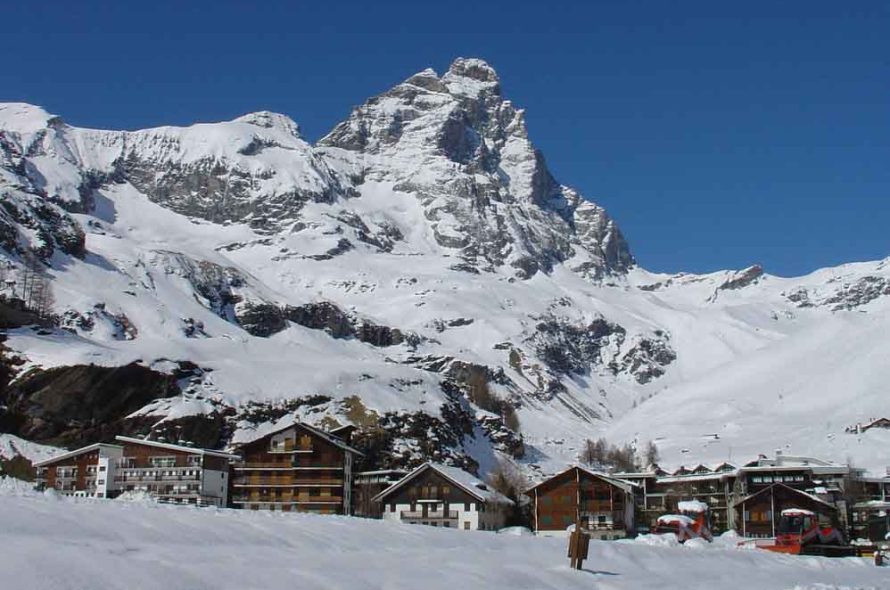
column 167, row 472
column 77, row 472
column 603, row 505
column 296, row 467
column 367, row 484
column 757, row 515
column 439, row 495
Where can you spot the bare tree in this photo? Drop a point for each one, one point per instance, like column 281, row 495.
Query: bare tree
column 650, row 454
column 42, row 299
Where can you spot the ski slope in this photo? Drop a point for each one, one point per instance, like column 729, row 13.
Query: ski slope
column 50, row 543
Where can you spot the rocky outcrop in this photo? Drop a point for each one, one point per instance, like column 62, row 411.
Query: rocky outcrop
column 79, row 404
column 846, row 297
column 568, row 348
column 742, row 278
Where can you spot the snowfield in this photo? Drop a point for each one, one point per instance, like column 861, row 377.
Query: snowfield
column 53, row 543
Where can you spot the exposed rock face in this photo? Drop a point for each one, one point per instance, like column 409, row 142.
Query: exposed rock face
column 463, row 150
column 567, row 348
column 847, row 296
column 743, row 278
column 80, row 404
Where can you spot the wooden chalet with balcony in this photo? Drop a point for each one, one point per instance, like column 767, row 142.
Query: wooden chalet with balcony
column 86, row 472
column 173, row 473
column 167, row 472
column 758, row 514
column 440, row 495
column 295, row 468
column 603, row 505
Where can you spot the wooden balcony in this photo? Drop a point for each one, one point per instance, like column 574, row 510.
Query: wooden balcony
column 284, row 499
column 291, row 447
column 419, row 515
column 257, row 482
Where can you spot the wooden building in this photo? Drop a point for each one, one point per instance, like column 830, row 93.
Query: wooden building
column 77, row 473
column 603, row 505
column 367, row 484
column 167, row 472
column 173, row 473
column 439, row 495
column 297, row 468
column 758, row 514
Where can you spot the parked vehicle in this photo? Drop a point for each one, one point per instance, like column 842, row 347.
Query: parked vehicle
column 692, row 522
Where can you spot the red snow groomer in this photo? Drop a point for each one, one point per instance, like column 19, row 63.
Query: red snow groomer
column 692, row 522
column 799, row 533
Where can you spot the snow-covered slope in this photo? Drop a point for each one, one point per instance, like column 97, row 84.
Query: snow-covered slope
column 67, row 543
column 422, row 261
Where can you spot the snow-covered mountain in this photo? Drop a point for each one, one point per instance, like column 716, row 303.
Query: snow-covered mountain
column 418, row 270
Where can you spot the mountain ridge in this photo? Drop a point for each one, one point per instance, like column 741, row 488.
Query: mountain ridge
column 419, row 270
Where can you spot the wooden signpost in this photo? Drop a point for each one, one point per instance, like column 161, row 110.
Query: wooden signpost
column 579, row 544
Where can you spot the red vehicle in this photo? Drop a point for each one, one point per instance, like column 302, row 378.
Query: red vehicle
column 693, row 522
column 800, row 533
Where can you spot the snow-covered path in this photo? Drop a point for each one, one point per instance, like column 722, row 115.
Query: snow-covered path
column 61, row 544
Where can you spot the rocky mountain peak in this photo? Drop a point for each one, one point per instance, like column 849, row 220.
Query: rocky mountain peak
column 270, row 120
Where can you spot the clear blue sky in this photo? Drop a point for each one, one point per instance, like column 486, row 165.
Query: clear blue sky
column 718, row 134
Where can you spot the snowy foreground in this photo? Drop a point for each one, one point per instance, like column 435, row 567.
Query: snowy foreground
column 60, row 544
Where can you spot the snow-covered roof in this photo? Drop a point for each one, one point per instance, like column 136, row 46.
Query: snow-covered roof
column 627, row 486
column 76, row 452
column 797, row 512
column 172, row 447
column 692, row 506
column 695, row 477
column 681, row 519
column 466, row 481
column 326, row 436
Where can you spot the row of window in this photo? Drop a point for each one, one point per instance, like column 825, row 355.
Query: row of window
column 777, row 479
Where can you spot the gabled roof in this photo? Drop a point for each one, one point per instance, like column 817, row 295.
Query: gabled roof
column 76, row 452
column 172, row 447
column 782, row 486
column 627, row 486
column 465, row 481
column 326, row 436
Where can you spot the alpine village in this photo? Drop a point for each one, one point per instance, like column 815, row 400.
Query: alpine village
column 784, row 503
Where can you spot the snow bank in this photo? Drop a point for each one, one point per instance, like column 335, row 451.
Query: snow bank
column 104, row 545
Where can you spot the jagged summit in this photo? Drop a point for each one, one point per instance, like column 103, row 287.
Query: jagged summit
column 474, row 68
column 270, row 120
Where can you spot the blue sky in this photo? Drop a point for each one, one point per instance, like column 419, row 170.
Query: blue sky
column 718, row 134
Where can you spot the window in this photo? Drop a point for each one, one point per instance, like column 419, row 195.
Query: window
column 466, row 506
column 101, row 468
column 446, row 490
column 100, row 482
column 466, row 526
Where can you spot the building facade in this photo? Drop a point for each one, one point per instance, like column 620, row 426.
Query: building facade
column 167, row 472
column 173, row 473
column 440, row 495
column 367, row 484
column 758, row 514
column 604, row 506
column 84, row 472
column 295, row 468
